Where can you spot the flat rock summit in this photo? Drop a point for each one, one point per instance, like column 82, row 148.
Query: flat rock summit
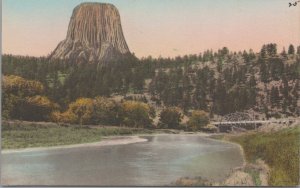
column 94, row 35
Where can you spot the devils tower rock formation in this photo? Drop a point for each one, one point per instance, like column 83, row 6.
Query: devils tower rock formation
column 94, row 35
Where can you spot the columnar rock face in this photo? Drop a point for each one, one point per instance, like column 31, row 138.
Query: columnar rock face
column 94, row 35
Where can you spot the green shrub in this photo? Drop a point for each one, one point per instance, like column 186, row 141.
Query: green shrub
column 198, row 120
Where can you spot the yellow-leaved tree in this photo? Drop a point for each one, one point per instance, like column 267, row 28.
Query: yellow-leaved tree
column 17, row 85
column 106, row 111
column 15, row 92
column 198, row 119
column 136, row 114
column 80, row 112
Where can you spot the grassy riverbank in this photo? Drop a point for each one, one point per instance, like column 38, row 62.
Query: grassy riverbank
column 280, row 151
column 18, row 134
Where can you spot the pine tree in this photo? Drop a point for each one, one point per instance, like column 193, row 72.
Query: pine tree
column 266, row 111
column 252, row 91
column 264, row 73
column 283, row 53
column 272, row 49
column 291, row 50
column 285, row 89
column 298, row 50
column 274, row 97
column 284, row 106
column 263, row 51
column 246, row 57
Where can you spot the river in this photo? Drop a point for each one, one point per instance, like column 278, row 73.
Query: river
column 159, row 161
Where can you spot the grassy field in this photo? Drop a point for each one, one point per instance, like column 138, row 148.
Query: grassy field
column 280, row 150
column 24, row 135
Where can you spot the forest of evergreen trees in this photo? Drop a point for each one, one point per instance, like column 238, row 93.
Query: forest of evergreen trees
column 218, row 82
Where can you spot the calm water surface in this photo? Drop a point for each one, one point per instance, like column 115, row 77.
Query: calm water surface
column 159, row 161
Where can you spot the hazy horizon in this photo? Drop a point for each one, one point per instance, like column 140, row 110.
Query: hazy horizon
column 164, row 28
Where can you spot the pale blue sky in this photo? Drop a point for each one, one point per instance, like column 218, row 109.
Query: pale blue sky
column 158, row 27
